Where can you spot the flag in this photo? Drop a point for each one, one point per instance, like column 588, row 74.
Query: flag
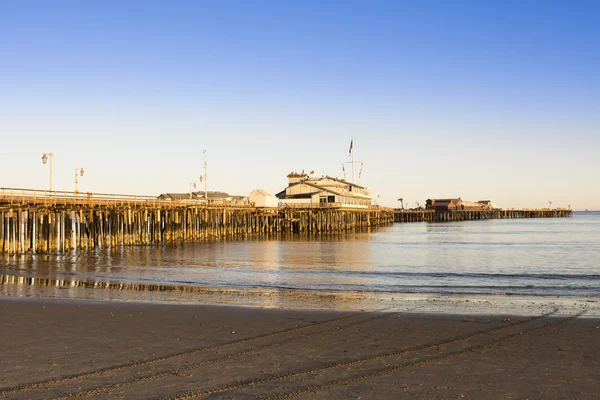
column 302, row 172
column 350, row 150
column 312, row 172
column 343, row 169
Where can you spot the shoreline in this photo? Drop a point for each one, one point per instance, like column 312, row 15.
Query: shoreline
column 54, row 348
column 298, row 299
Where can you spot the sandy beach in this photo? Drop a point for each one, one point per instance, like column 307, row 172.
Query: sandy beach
column 317, row 200
column 54, row 348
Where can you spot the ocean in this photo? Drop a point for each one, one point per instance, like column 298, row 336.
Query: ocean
column 555, row 256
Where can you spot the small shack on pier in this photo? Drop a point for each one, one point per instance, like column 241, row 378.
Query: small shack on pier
column 260, row 198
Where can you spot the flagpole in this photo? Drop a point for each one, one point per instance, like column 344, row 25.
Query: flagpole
column 205, row 176
column 352, row 144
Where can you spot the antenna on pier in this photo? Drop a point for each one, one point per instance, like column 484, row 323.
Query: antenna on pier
column 205, row 176
column 352, row 162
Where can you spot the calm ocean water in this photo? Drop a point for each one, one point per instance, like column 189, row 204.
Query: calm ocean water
column 528, row 256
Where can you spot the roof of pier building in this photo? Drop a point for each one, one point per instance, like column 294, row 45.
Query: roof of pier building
column 341, row 182
column 260, row 192
column 282, row 195
column 212, row 195
column 176, row 196
column 323, row 180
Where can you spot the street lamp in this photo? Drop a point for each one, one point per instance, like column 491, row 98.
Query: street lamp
column 205, row 173
column 78, row 171
column 192, row 184
column 401, row 200
column 45, row 157
column 550, row 205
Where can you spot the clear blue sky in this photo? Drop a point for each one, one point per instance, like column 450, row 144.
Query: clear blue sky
column 477, row 99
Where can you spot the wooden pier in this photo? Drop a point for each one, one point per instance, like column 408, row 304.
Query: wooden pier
column 34, row 221
column 449, row 216
column 49, row 222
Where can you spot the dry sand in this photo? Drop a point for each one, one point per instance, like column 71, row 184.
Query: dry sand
column 90, row 349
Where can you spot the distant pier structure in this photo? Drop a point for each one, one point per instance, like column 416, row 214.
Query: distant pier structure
column 474, row 215
column 33, row 221
column 457, row 209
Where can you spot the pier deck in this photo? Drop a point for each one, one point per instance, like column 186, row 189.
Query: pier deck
column 43, row 222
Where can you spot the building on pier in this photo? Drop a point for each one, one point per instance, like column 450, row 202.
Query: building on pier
column 222, row 198
column 442, row 205
column 457, row 204
column 489, row 204
column 177, row 196
column 213, row 196
column 260, row 198
column 306, row 191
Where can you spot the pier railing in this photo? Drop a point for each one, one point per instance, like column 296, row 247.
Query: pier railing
column 311, row 205
column 13, row 196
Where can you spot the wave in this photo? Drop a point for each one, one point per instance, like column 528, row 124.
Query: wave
column 496, row 275
column 477, row 275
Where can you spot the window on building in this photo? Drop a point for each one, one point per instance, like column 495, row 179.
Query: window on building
column 331, row 199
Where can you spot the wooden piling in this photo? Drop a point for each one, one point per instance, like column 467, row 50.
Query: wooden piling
column 66, row 227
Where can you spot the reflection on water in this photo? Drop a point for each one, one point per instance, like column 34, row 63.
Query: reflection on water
column 527, row 256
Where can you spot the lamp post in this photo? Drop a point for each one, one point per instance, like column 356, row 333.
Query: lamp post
column 78, row 171
column 205, row 176
column 550, row 205
column 45, row 157
column 192, row 185
column 401, row 200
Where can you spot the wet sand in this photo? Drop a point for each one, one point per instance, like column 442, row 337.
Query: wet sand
column 54, row 348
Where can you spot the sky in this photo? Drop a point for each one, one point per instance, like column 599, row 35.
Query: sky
column 471, row 99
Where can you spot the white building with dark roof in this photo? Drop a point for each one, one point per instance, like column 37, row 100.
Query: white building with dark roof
column 306, row 191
